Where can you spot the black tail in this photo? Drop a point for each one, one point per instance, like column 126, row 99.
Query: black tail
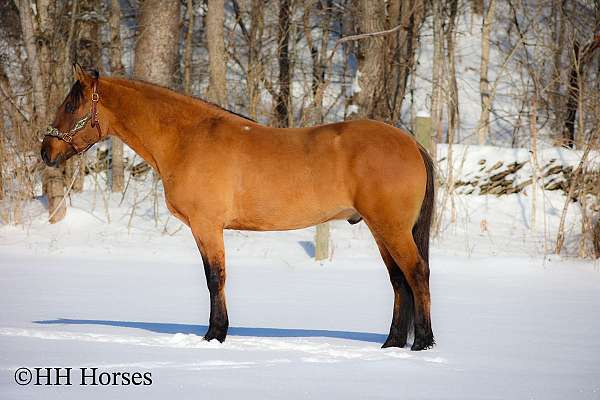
column 421, row 229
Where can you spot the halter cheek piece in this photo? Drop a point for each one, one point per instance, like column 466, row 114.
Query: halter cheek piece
column 79, row 125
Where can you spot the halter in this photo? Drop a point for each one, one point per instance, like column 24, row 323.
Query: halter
column 79, row 125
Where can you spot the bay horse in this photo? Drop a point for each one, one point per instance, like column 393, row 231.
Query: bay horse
column 223, row 171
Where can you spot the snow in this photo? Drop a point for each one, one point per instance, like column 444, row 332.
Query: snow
column 115, row 287
column 507, row 327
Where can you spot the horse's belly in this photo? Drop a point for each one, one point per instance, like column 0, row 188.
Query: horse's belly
column 288, row 219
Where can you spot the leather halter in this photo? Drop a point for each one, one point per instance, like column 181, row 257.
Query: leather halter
column 79, row 125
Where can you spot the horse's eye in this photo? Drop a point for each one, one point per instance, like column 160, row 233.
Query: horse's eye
column 69, row 107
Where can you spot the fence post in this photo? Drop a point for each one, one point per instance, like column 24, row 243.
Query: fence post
column 423, row 129
column 322, row 242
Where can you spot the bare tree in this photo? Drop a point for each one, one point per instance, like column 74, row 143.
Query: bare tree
column 483, row 127
column 558, row 39
column 371, row 18
column 253, row 44
column 44, row 83
column 86, row 52
column 255, row 66
column 215, row 20
column 158, row 42
column 580, row 57
column 282, row 102
column 436, row 77
column 451, row 91
column 402, row 50
column 318, row 54
column 117, row 167
column 187, row 50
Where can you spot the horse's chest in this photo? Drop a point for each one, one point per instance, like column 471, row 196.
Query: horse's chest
column 173, row 204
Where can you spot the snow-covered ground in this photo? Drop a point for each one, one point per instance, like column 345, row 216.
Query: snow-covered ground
column 121, row 288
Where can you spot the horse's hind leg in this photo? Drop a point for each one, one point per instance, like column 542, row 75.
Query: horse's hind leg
column 402, row 318
column 404, row 251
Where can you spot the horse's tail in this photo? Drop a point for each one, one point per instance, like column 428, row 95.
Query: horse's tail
column 422, row 227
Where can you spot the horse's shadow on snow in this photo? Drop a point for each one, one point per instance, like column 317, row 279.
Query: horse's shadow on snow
column 233, row 331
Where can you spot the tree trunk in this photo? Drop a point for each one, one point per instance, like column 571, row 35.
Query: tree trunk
column 596, row 239
column 187, row 51
column 558, row 36
column 313, row 114
column 403, row 46
column 436, row 81
column 116, row 47
column 534, row 159
column 157, row 45
column 282, row 105
column 483, row 128
column 477, row 7
column 254, row 51
column 158, row 42
column 3, row 161
column 371, row 55
column 217, row 61
column 39, row 61
column 87, row 45
column 87, row 53
column 572, row 98
column 453, row 100
column 117, row 167
column 580, row 57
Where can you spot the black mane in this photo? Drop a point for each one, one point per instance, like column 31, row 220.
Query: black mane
column 76, row 97
column 210, row 103
column 225, row 109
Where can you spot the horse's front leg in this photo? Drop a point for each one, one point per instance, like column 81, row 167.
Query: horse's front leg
column 210, row 244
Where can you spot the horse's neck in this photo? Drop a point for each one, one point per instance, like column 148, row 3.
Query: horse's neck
column 139, row 121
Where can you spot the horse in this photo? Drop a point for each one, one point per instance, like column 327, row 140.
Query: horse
column 221, row 170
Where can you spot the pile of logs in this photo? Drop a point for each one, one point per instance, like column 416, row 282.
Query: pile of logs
column 500, row 179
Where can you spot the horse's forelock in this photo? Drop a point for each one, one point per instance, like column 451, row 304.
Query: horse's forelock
column 76, row 95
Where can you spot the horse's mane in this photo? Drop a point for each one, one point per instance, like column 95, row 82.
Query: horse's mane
column 76, row 95
column 136, row 82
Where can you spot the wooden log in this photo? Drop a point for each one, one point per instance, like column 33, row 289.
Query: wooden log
column 495, row 166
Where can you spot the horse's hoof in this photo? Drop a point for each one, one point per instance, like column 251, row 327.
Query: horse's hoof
column 394, row 342
column 423, row 343
column 218, row 334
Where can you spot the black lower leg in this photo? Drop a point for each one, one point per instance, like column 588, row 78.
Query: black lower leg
column 423, row 333
column 403, row 309
column 219, row 322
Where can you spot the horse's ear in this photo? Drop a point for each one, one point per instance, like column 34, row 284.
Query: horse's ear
column 82, row 76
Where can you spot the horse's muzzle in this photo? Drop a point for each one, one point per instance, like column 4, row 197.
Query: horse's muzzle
column 46, row 154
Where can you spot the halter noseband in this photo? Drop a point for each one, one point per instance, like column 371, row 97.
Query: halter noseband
column 79, row 125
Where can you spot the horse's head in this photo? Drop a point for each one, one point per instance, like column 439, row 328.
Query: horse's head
column 76, row 127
